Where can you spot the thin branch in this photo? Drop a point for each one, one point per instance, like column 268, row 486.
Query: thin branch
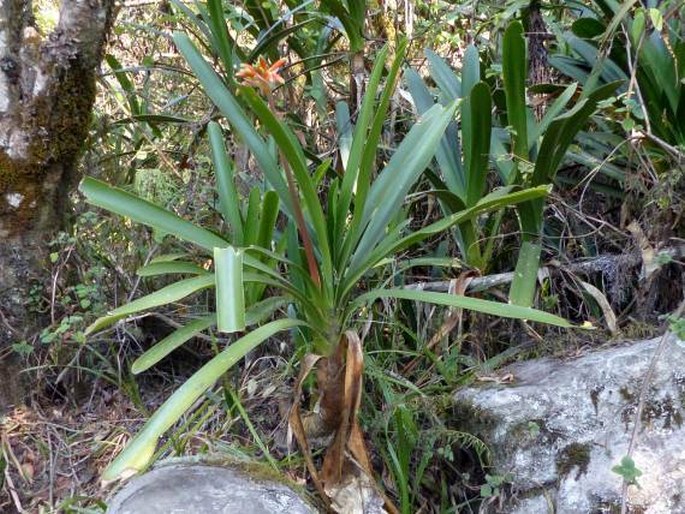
column 641, row 401
column 596, row 265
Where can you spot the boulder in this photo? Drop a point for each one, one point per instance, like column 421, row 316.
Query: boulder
column 561, row 425
column 179, row 488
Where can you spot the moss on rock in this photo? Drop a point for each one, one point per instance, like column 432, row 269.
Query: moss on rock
column 575, row 455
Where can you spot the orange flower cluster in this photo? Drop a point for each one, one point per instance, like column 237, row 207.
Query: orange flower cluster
column 263, row 76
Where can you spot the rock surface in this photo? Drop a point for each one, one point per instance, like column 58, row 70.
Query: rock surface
column 204, row 489
column 561, row 426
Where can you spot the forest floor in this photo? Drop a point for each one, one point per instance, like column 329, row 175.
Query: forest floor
column 53, row 452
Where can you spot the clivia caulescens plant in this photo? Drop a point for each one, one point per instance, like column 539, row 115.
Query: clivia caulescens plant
column 313, row 267
column 525, row 152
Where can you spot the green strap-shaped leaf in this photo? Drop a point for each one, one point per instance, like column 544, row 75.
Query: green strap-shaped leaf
column 153, row 118
column 343, row 124
column 164, row 296
column 170, row 343
column 230, row 294
column 168, row 257
column 125, row 83
column 137, row 454
column 252, row 215
column 448, row 153
column 222, row 41
column 444, row 77
column 480, row 106
column 121, row 202
column 470, row 76
column 501, row 157
column 514, row 66
column 552, row 112
column 229, row 202
column 267, row 219
column 522, row 289
column 465, row 302
column 170, row 267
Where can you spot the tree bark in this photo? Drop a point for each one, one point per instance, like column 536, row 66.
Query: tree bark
column 47, row 89
column 540, row 72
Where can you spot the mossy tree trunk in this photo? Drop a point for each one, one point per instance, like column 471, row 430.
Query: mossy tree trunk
column 47, row 89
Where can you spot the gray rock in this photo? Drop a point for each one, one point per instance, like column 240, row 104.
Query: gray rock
column 200, row 489
column 562, row 425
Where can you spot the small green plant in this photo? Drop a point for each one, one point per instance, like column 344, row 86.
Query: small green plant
column 22, row 348
column 493, row 484
column 676, row 324
column 533, row 428
column 69, row 327
column 400, row 450
column 628, row 471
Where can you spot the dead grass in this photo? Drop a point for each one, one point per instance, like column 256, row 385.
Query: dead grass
column 53, row 454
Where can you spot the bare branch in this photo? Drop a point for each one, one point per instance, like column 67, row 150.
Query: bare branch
column 596, row 265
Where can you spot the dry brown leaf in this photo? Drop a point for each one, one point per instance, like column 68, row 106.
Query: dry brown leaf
column 357, row 495
column 295, row 423
column 647, row 251
column 347, row 406
column 346, row 478
column 601, row 299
